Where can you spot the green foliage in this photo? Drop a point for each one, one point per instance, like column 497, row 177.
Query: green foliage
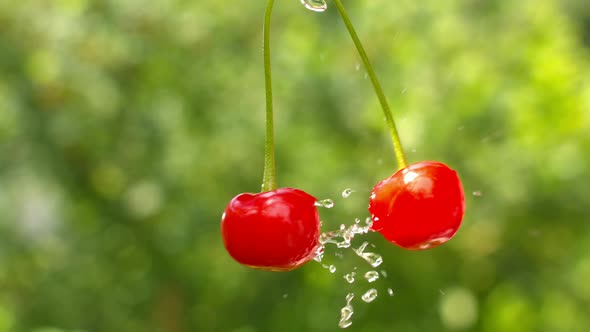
column 126, row 126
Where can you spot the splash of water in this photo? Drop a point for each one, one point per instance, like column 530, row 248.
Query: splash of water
column 371, row 257
column 372, row 276
column 347, row 192
column 325, row 203
column 370, row 295
column 315, row 5
column 349, row 277
column 346, row 312
column 342, row 238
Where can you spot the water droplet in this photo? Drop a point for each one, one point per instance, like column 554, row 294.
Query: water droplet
column 343, row 244
column 330, row 268
column 357, row 220
column 325, row 203
column 349, row 297
column 371, row 276
column 384, row 273
column 315, row 5
column 370, row 295
column 357, row 67
column 477, row 193
column 349, row 277
column 285, row 296
column 371, row 257
column 390, row 291
column 319, row 253
column 346, row 312
column 347, row 192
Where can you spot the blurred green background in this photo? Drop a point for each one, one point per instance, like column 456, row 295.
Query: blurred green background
column 126, row 127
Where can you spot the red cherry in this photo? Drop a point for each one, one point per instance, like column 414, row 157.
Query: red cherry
column 419, row 207
column 275, row 230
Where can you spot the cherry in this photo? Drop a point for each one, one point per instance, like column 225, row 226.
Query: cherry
column 278, row 229
column 419, row 207
column 275, row 230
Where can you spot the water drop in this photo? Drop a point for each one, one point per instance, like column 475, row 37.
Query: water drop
column 371, row 257
column 347, row 192
column 315, row 5
column 390, row 291
column 384, row 273
column 349, row 277
column 343, row 244
column 371, row 276
column 349, row 297
column 285, row 295
column 325, row 203
column 346, row 312
column 330, row 268
column 357, row 67
column 370, row 295
column 319, row 253
column 477, row 193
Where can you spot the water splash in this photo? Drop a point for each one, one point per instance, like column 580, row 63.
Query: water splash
column 325, row 203
column 319, row 253
column 346, row 312
column 342, row 238
column 331, row 268
column 315, row 5
column 349, row 277
column 372, row 276
column 370, row 295
column 371, row 257
column 347, row 192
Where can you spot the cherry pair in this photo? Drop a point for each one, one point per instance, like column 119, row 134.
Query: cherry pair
column 419, row 207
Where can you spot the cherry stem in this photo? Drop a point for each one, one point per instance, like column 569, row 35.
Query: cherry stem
column 269, row 179
column 397, row 145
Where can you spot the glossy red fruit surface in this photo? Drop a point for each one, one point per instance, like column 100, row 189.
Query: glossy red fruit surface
column 276, row 230
column 419, row 207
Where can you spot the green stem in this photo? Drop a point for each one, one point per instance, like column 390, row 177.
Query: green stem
column 397, row 145
column 269, row 179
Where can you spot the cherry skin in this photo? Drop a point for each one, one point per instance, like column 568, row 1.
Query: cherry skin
column 275, row 230
column 419, row 207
